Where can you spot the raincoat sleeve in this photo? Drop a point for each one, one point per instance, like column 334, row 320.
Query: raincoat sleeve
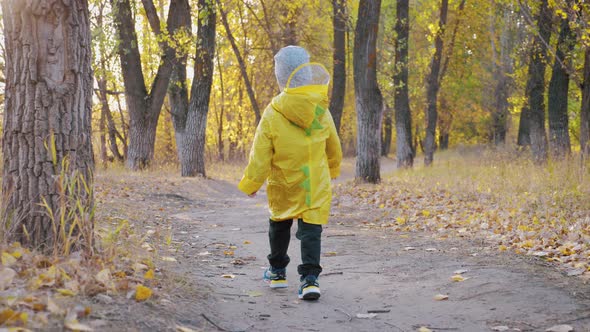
column 258, row 168
column 333, row 149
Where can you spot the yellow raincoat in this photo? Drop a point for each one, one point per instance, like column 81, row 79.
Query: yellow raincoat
column 297, row 149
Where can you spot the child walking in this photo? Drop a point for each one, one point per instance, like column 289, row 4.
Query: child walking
column 296, row 148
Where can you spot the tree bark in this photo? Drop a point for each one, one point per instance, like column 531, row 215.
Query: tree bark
column 241, row 62
column 369, row 101
column 585, row 109
column 535, row 86
column 559, row 137
column 193, row 150
column 339, row 57
column 143, row 107
column 403, row 115
column 220, row 145
column 433, row 85
column 47, row 134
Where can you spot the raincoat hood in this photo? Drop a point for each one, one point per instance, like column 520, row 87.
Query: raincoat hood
column 303, row 105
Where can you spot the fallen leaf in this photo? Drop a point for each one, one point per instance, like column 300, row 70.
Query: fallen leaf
column 169, row 259
column 204, row 253
column 366, row 316
column 149, row 275
column 330, row 253
column 184, row 329
column 104, row 277
column 254, row 293
column 6, row 277
column 460, row 271
column 560, row 328
column 458, row 278
column 75, row 326
column 66, row 292
column 431, row 249
column 424, row 329
column 247, row 242
column 53, row 308
column 228, row 276
column 142, row 293
column 500, row 328
column 139, row 267
column 441, row 297
column 7, row 259
column 409, row 248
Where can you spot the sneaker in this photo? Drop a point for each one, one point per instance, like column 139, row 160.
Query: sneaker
column 310, row 288
column 276, row 277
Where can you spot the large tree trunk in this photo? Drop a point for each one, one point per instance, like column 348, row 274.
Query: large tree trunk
column 47, row 134
column 144, row 108
column 369, row 102
column 433, row 85
column 339, row 56
column 559, row 136
column 403, row 116
column 535, row 87
column 193, row 150
column 585, row 110
column 241, row 62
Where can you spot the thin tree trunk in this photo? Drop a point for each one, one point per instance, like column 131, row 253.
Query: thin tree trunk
column 559, row 137
column 220, row 144
column 339, row 57
column 369, row 102
column 502, row 73
column 535, row 86
column 143, row 107
column 433, row 85
column 241, row 62
column 387, row 131
column 585, row 109
column 193, row 153
column 403, row 115
column 47, row 125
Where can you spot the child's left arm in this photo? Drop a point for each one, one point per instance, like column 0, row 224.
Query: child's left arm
column 258, row 168
column 333, row 149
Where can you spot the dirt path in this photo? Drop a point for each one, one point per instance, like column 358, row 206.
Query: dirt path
column 222, row 244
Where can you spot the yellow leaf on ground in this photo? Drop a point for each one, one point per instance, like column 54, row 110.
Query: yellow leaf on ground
column 149, row 275
column 502, row 247
column 426, row 213
column 228, row 276
column 184, row 329
column 424, row 329
column 17, row 254
column 75, row 326
column 142, row 293
column 441, row 297
column 66, row 292
column 169, row 259
column 247, row 242
column 7, row 259
column 104, row 277
column 458, row 278
column 6, row 277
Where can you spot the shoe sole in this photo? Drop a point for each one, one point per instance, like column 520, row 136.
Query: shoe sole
column 278, row 284
column 310, row 294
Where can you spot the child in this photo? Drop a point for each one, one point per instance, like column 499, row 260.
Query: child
column 297, row 149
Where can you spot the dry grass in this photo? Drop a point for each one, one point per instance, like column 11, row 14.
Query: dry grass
column 542, row 211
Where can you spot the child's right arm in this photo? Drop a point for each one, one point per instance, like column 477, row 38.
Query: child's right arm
column 258, row 168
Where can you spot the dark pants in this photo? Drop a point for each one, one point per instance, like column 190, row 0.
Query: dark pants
column 310, row 235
